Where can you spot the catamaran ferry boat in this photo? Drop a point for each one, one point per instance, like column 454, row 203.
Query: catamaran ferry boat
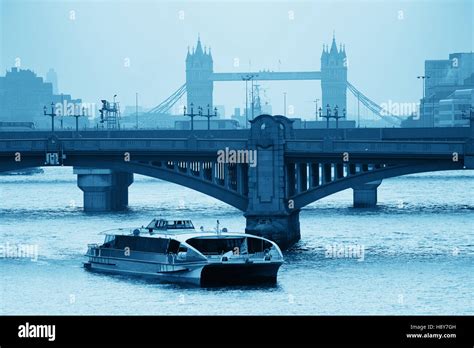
column 173, row 251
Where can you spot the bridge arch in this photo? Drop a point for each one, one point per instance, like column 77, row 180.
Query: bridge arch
column 209, row 188
column 312, row 195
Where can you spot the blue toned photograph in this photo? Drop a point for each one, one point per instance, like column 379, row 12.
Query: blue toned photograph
column 237, row 158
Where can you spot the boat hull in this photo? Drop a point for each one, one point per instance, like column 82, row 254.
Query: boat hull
column 203, row 274
column 239, row 274
column 189, row 274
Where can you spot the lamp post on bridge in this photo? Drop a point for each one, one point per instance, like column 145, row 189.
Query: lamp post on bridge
column 423, row 78
column 77, row 118
column 209, row 115
column 192, row 114
column 330, row 115
column 336, row 115
column 199, row 110
column 52, row 115
column 327, row 116
column 62, row 110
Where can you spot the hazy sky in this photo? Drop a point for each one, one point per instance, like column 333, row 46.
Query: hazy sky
column 89, row 43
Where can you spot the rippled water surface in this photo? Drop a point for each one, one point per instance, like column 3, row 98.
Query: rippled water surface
column 418, row 251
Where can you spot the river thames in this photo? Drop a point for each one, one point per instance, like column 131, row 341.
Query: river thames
column 416, row 251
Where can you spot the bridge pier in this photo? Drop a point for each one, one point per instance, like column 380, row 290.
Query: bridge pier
column 282, row 228
column 269, row 213
column 104, row 189
column 365, row 195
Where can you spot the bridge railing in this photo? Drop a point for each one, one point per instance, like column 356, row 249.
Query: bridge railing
column 152, row 144
column 375, row 146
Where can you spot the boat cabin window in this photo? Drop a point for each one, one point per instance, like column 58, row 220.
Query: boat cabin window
column 109, row 238
column 170, row 225
column 109, row 241
column 160, row 224
column 257, row 245
column 155, row 245
column 179, row 224
column 173, row 247
column 216, row 246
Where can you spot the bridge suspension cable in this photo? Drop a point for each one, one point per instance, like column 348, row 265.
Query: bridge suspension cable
column 374, row 107
column 169, row 102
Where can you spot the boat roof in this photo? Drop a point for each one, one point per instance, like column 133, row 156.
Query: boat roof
column 182, row 230
column 181, row 236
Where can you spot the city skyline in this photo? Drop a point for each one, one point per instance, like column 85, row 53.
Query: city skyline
column 236, row 159
column 123, row 52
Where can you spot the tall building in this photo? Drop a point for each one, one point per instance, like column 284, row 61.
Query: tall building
column 454, row 109
column 23, row 95
column 199, row 67
column 445, row 74
column 443, row 79
column 334, row 76
column 52, row 77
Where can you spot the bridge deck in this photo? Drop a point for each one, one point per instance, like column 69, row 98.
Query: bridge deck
column 448, row 133
column 307, row 142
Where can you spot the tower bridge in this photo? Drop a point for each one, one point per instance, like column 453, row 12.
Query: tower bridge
column 268, row 76
column 294, row 167
column 200, row 78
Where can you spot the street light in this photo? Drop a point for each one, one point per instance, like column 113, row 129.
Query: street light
column 192, row 114
column 209, row 115
column 336, row 115
column 52, row 115
column 77, row 118
column 327, row 116
column 423, row 78
column 62, row 110
column 199, row 110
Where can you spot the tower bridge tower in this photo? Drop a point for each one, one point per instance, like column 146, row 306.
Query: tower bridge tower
column 334, row 76
column 199, row 86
